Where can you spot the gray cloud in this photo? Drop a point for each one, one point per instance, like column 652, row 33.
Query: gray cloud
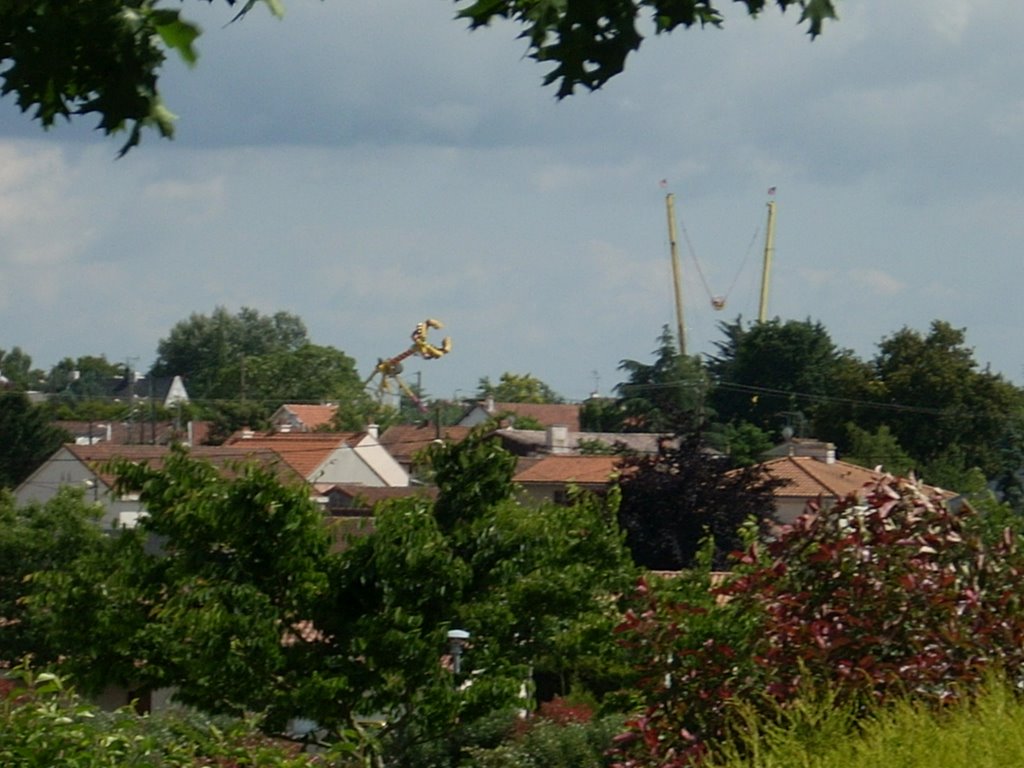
column 368, row 165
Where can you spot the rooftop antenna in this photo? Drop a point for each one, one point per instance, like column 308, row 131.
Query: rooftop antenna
column 769, row 252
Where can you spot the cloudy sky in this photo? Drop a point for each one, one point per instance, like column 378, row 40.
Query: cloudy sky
column 368, row 164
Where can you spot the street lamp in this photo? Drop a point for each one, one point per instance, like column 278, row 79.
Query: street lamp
column 458, row 639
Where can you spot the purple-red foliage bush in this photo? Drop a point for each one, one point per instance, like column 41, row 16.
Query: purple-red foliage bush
column 562, row 711
column 897, row 595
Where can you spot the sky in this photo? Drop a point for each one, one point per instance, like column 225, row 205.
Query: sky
column 366, row 165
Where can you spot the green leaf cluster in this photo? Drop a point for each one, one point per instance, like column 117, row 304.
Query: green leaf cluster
column 61, row 60
column 44, row 724
column 588, row 43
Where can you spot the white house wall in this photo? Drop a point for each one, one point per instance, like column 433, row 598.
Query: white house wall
column 391, row 473
column 345, row 466
column 64, row 469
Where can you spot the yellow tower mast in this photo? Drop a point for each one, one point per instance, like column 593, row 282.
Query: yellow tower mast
column 769, row 252
column 677, row 283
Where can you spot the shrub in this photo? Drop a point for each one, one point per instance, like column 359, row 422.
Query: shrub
column 897, row 596
column 43, row 725
column 552, row 743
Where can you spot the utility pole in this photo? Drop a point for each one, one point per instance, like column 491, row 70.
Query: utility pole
column 129, row 368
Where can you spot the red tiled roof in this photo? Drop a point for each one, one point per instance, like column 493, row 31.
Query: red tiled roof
column 402, row 441
column 303, row 451
column 807, row 477
column 548, row 414
column 590, row 470
column 312, row 416
column 95, row 456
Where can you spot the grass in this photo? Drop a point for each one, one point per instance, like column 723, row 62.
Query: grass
column 985, row 733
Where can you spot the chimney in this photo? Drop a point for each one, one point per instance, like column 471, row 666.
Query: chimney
column 558, row 438
column 489, row 404
column 247, row 433
column 373, row 430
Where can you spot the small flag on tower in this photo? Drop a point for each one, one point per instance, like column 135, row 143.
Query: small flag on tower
column 771, row 190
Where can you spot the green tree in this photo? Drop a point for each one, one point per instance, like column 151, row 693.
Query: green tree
column 16, row 369
column 534, row 588
column 744, row 443
column 309, row 374
column 87, row 376
column 100, row 58
column 34, row 538
column 217, row 609
column 877, row 449
column 589, row 42
column 227, row 591
column 28, row 438
column 202, row 347
column 656, row 393
column 80, row 388
column 1009, row 480
column 517, row 388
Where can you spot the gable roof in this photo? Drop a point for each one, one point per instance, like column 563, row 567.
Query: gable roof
column 143, row 387
column 304, row 452
column 807, row 477
column 308, row 417
column 222, row 457
column 582, row 470
column 403, row 441
column 547, row 414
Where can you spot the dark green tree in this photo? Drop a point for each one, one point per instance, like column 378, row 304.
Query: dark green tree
column 654, row 394
column 80, row 388
column 940, row 407
column 85, row 377
column 28, row 438
column 742, row 442
column 687, row 493
column 773, row 374
column 201, row 348
column 1009, row 480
